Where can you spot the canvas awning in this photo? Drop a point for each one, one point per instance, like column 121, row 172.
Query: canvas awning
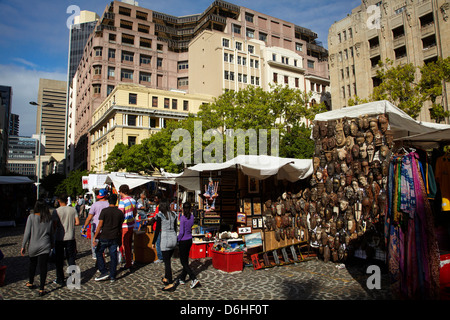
column 260, row 167
column 401, row 124
column 15, row 180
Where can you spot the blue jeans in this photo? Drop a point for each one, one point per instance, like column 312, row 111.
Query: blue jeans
column 158, row 247
column 111, row 244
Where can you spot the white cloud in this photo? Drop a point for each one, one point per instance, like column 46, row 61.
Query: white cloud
column 25, row 86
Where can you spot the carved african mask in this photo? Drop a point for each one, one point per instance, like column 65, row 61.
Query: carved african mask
column 363, row 151
column 353, row 128
column 384, row 123
column 369, row 137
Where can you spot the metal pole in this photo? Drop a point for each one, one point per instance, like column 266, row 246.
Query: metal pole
column 39, row 153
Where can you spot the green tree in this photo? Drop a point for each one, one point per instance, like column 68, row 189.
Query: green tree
column 114, row 162
column 399, row 85
column 72, row 184
column 431, row 84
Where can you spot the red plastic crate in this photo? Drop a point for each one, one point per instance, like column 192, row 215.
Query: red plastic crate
column 198, row 251
column 228, row 261
column 209, row 249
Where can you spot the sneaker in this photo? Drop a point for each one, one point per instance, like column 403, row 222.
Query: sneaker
column 194, row 283
column 158, row 261
column 181, row 281
column 101, row 277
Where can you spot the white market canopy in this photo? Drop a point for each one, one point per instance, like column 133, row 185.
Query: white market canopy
column 401, row 124
column 134, row 180
column 259, row 167
column 15, row 180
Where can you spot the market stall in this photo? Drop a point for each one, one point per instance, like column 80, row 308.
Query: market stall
column 373, row 187
column 242, row 195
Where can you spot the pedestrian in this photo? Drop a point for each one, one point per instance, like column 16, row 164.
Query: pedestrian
column 109, row 234
column 64, row 218
column 156, row 200
column 184, row 245
column 128, row 206
column 80, row 206
column 166, row 224
column 143, row 206
column 94, row 213
column 39, row 238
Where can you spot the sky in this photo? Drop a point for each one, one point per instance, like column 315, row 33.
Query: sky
column 34, row 36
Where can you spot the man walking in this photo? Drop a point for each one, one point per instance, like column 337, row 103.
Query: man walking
column 128, row 206
column 94, row 213
column 108, row 234
column 64, row 218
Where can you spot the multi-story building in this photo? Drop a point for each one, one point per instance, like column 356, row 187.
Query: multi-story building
column 5, row 114
column 14, row 125
column 414, row 32
column 53, row 116
column 131, row 44
column 23, row 159
column 132, row 113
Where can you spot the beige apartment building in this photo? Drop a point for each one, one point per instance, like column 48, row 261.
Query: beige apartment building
column 403, row 31
column 132, row 113
column 52, row 92
column 227, row 47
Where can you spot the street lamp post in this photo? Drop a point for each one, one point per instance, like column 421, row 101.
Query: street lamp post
column 39, row 147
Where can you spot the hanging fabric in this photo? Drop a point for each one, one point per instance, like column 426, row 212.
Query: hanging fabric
column 442, row 176
column 412, row 254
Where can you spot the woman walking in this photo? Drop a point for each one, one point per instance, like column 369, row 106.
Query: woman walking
column 38, row 237
column 185, row 243
column 166, row 223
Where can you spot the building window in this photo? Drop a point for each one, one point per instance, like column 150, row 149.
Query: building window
column 132, row 98
column 311, row 64
column 166, row 103
column 231, row 75
column 98, row 51
column 111, row 54
column 239, row 46
column 231, row 58
column 226, row 75
column 225, row 43
column 145, row 60
column 159, row 62
column 126, row 74
column 286, row 80
column 250, row 33
column 263, row 36
column 153, row 122
column 143, row 28
column 251, row 49
column 155, row 102
column 174, row 104
column 297, row 82
column 97, row 70
column 185, row 105
column 131, row 141
column 274, row 57
column 131, row 120
column 225, row 57
column 256, row 64
column 145, row 43
column 275, row 77
column 183, row 82
column 236, row 29
column 127, row 56
column 109, row 89
column 183, row 65
column 298, row 46
column 111, row 72
column 127, row 39
column 144, row 76
column 96, row 88
column 249, row 17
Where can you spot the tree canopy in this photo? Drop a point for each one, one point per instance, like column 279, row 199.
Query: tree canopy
column 402, row 86
column 281, row 110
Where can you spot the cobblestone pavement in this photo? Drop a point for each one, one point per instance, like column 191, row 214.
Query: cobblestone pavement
column 310, row 280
